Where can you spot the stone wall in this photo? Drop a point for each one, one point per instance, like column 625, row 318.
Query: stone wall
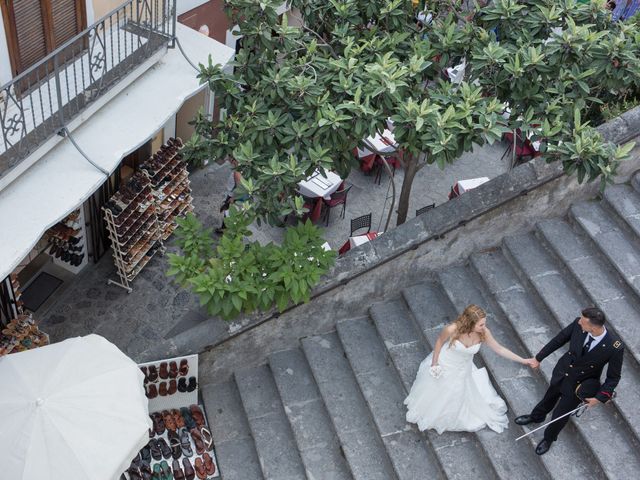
column 477, row 220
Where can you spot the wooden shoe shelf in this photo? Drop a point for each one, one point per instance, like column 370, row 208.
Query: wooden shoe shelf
column 149, row 218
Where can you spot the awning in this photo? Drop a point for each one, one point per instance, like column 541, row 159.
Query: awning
column 62, row 179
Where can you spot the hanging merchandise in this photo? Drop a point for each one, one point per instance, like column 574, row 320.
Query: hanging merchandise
column 143, row 212
column 66, row 240
column 21, row 334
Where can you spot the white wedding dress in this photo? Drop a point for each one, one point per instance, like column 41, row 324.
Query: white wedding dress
column 462, row 399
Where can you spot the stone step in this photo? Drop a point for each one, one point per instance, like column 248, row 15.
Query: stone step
column 312, row 428
column 510, row 459
column 362, row 446
column 383, row 392
column 276, row 447
column 596, row 278
column 463, row 289
column 617, row 245
column 535, row 329
column 635, row 181
column 235, row 450
column 625, row 201
column 589, row 271
column 460, row 454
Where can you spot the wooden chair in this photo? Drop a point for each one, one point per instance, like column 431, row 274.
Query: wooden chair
column 339, row 197
column 420, row 211
column 363, row 221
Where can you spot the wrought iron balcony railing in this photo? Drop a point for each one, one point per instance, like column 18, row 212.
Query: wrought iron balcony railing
column 42, row 100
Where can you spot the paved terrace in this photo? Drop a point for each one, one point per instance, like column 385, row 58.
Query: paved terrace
column 157, row 309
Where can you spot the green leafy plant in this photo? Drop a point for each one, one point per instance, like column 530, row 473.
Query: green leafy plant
column 240, row 276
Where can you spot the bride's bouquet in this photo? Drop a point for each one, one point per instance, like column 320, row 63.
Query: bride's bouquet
column 435, row 371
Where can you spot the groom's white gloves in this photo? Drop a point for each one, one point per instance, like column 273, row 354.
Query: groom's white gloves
column 435, row 371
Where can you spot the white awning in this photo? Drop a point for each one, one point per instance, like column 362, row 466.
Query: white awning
column 62, row 179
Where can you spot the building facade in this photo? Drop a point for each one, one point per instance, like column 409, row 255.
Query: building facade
column 89, row 89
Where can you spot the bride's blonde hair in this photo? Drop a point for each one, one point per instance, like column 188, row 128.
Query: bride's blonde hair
column 466, row 322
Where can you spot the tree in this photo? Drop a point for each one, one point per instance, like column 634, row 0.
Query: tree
column 303, row 97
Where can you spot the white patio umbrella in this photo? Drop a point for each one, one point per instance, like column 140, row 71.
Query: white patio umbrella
column 74, row 410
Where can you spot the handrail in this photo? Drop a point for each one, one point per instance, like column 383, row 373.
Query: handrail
column 68, row 43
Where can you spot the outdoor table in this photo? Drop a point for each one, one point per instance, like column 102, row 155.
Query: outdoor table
column 385, row 143
column 358, row 240
column 462, row 186
column 319, row 187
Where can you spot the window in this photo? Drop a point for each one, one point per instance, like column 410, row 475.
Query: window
column 35, row 28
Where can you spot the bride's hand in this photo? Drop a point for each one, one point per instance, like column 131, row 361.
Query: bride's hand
column 435, row 371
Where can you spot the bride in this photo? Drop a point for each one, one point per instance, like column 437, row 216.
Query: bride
column 450, row 393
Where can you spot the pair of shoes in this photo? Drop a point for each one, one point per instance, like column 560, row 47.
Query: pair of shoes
column 168, row 389
column 158, row 423
column 197, row 415
column 205, row 467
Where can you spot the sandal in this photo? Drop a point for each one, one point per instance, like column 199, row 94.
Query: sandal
column 197, row 415
column 197, row 439
column 188, row 419
column 158, row 423
column 174, row 444
column 208, row 464
column 169, row 421
column 207, row 438
column 185, row 443
column 184, row 367
column 177, row 418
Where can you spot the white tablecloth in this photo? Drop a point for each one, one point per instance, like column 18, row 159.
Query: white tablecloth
column 378, row 143
column 361, row 239
column 318, row 186
column 466, row 185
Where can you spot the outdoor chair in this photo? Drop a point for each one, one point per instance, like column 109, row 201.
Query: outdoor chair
column 378, row 168
column 523, row 148
column 361, row 222
column 420, row 211
column 339, row 197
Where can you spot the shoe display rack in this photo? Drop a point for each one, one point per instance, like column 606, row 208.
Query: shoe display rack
column 21, row 334
column 143, row 213
column 170, row 186
column 180, row 447
column 134, row 231
column 66, row 241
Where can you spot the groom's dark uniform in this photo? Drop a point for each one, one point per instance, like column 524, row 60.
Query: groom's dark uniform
column 577, row 373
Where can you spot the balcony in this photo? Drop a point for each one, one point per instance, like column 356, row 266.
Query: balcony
column 39, row 102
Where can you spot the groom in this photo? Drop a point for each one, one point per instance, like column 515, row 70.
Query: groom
column 576, row 376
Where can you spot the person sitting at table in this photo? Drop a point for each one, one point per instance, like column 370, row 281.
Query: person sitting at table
column 232, row 182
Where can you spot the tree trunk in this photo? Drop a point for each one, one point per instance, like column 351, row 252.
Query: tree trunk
column 410, row 170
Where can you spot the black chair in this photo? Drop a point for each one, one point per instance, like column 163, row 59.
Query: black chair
column 337, row 198
column 361, row 222
column 420, row 211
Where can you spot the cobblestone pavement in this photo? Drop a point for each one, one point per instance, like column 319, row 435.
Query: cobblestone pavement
column 157, row 309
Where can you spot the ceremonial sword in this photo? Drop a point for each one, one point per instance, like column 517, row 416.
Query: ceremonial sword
column 576, row 411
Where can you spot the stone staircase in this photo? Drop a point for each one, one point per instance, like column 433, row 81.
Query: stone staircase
column 332, row 408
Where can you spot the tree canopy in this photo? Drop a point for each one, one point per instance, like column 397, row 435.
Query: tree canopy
column 309, row 86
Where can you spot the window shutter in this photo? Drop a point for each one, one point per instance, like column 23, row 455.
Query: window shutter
column 30, row 30
column 66, row 21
